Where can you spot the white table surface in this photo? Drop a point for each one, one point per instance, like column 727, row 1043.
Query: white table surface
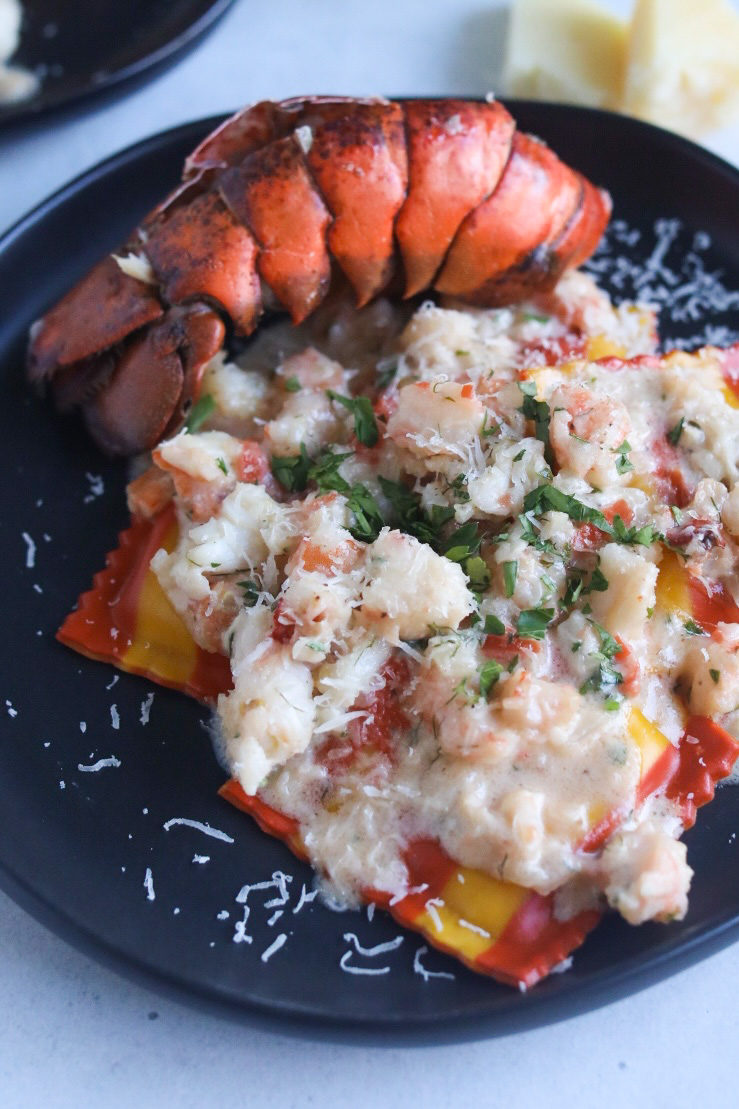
column 74, row 1034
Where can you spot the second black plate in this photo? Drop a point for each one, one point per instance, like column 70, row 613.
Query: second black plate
column 88, row 47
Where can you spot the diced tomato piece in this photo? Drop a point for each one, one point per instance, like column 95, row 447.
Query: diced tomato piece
column 671, row 482
column 385, row 405
column 589, row 537
column 373, row 734
column 550, row 352
column 149, row 493
column 311, row 556
column 252, row 465
column 503, row 648
column 282, row 625
column 712, row 603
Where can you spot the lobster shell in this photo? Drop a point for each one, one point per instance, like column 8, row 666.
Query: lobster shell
column 287, row 200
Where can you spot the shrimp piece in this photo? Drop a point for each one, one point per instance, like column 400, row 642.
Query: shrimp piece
column 710, row 672
column 310, row 369
column 411, row 589
column 203, row 468
column 149, row 493
column 645, row 875
column 439, row 418
column 270, row 714
column 585, row 432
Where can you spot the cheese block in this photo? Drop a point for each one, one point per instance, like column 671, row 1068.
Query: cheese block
column 567, row 50
column 682, row 68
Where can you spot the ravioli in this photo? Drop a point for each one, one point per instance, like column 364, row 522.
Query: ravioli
column 474, row 574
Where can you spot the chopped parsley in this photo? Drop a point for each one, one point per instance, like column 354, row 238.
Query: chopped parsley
column 325, row 472
column 199, row 413
column 221, row 464
column 547, row 498
column 250, row 590
column 510, row 573
column 292, row 385
column 493, row 626
column 365, row 425
column 716, row 675
column 694, row 629
column 292, row 471
column 673, row 435
column 386, row 371
column 623, row 465
column 368, row 521
column 489, row 675
column 532, row 623
column 605, row 676
column 538, row 411
column 462, row 543
column 478, row 573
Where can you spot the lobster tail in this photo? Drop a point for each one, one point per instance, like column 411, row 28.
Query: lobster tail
column 279, row 202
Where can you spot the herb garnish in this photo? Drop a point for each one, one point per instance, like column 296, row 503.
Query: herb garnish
column 532, row 623
column 199, row 413
column 510, row 573
column 251, row 592
column 673, row 435
column 623, row 465
column 365, row 425
column 489, row 675
column 538, row 411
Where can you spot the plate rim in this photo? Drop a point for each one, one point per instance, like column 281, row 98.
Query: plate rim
column 608, row 984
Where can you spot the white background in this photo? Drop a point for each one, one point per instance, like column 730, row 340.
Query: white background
column 73, row 1034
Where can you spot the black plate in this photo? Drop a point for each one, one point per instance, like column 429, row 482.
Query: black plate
column 76, row 857
column 83, row 48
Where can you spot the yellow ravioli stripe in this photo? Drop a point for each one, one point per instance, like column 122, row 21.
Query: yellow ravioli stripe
column 672, row 586
column 648, row 738
column 160, row 631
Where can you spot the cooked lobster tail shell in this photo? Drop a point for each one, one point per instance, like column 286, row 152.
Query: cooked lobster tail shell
column 281, row 201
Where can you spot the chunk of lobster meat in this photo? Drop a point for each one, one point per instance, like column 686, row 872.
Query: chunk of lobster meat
column 272, row 193
column 198, row 250
column 457, row 153
column 306, row 419
column 311, row 369
column 360, row 164
column 204, row 468
column 710, row 676
column 645, row 875
column 585, row 432
column 411, row 589
column 149, row 493
column 623, row 608
column 269, row 715
column 104, row 308
column 150, row 381
column 505, row 241
column 730, row 511
column 437, row 418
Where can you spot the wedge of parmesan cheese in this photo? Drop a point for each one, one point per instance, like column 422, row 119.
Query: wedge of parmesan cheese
column 683, row 64
column 569, row 50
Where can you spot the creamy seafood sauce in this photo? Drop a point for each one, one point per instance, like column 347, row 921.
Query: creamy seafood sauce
column 439, row 552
